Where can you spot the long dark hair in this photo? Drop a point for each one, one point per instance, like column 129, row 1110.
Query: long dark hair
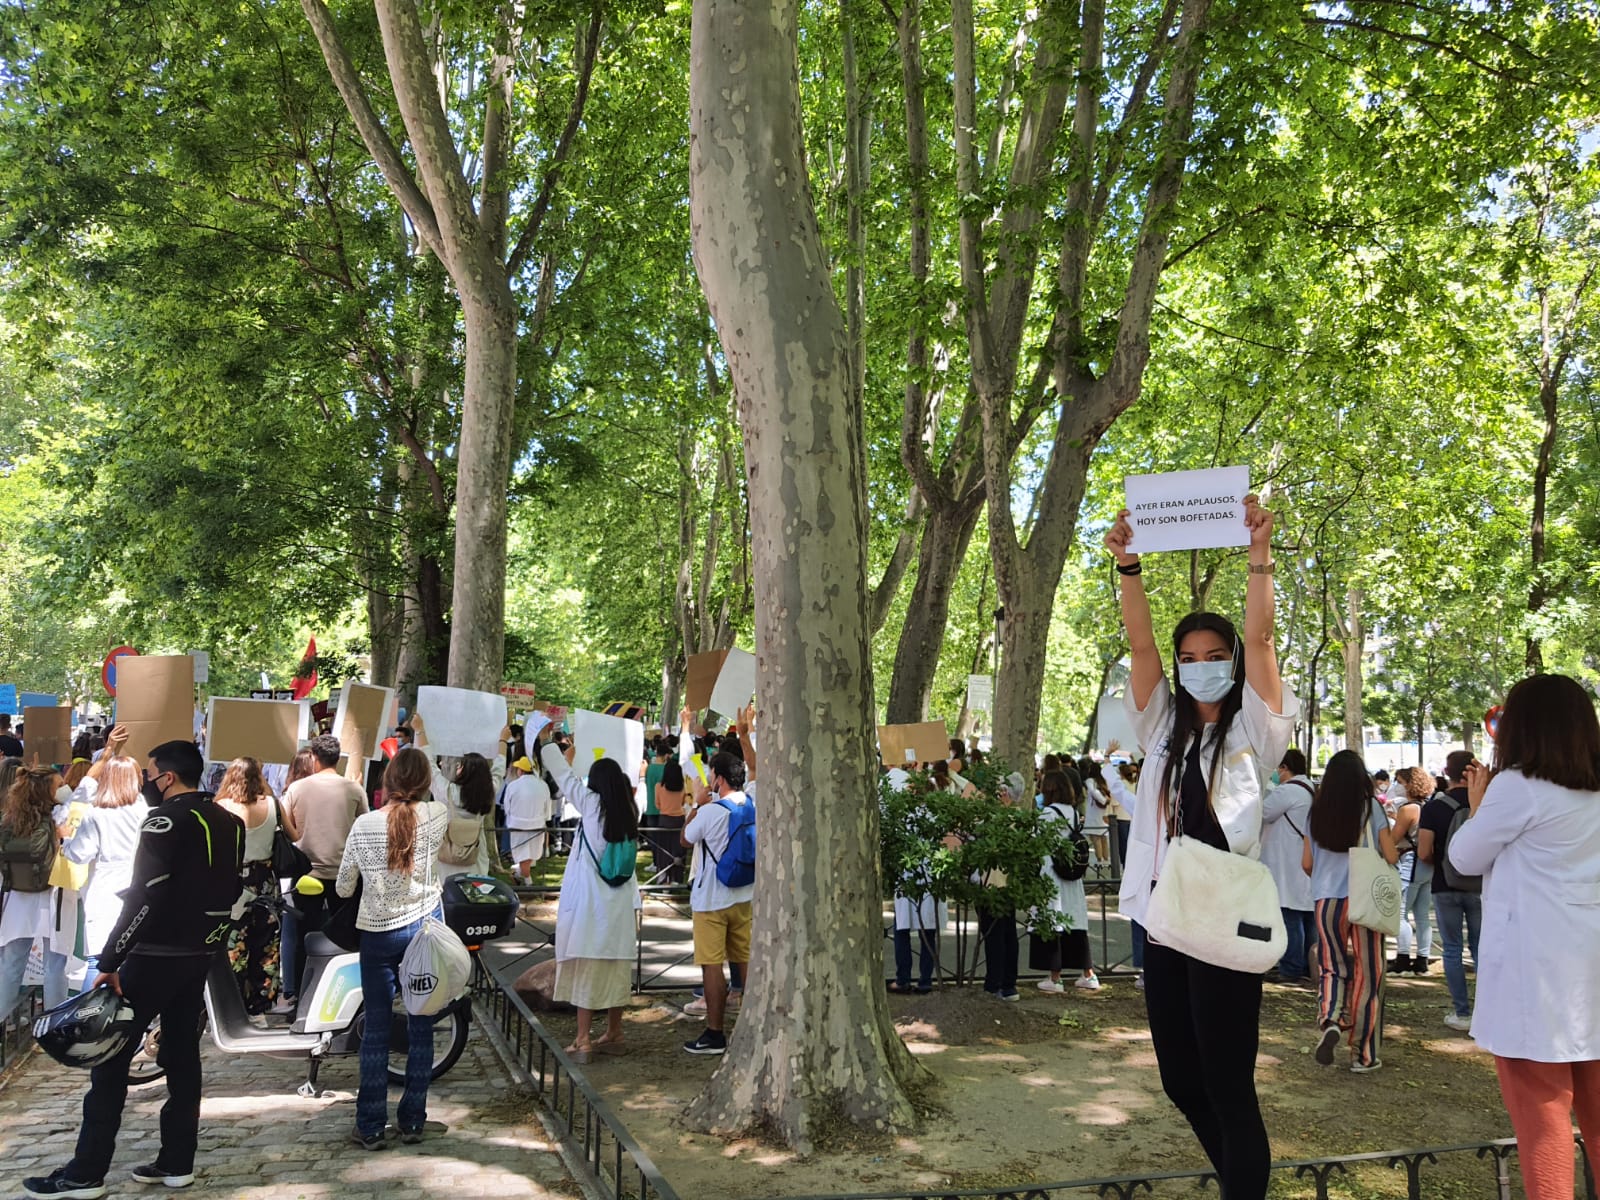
column 407, row 779
column 1343, row 804
column 1056, row 788
column 1549, row 731
column 619, row 815
column 1186, row 722
column 475, row 784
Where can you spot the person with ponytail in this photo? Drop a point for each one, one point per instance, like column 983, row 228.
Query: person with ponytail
column 1210, row 740
column 394, row 853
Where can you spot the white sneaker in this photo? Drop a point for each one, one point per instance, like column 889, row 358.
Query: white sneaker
column 1457, row 1021
column 1139, row 982
column 1051, row 985
column 696, row 1006
column 1089, row 983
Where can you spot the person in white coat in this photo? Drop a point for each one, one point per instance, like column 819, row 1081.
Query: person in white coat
column 595, row 928
column 1534, row 836
column 1069, row 946
column 1285, row 817
column 105, row 841
column 1209, row 742
column 527, row 805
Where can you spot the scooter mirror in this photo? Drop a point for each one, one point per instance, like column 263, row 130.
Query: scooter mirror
column 309, row 885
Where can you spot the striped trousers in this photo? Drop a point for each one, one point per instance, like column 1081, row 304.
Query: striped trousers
column 1350, row 991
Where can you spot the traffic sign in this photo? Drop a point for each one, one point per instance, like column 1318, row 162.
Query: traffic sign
column 108, row 670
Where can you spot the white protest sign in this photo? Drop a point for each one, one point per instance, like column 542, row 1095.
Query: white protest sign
column 736, row 683
column 1111, row 724
column 980, row 693
column 460, row 721
column 1188, row 510
column 596, row 735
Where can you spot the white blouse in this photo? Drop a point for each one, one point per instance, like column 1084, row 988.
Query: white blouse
column 1537, row 846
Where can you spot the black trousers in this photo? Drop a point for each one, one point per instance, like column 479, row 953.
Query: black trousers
column 173, row 989
column 1205, row 1024
column 999, row 934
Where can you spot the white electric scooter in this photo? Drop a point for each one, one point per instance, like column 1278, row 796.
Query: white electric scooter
column 329, row 1018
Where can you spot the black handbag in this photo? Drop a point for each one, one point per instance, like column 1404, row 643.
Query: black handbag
column 340, row 927
column 288, row 860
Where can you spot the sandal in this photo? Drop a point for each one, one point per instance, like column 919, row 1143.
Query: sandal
column 576, row 1055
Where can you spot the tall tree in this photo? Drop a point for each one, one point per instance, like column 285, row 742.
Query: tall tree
column 815, row 1040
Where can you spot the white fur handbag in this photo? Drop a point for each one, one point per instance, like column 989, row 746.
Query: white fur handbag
column 1375, row 888
column 1218, row 907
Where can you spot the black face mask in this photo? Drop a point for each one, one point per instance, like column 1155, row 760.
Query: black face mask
column 151, row 790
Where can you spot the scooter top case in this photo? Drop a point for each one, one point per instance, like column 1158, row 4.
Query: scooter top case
column 479, row 909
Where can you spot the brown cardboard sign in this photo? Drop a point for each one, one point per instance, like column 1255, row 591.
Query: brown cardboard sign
column 49, row 739
column 268, row 731
column 902, row 745
column 155, row 700
column 701, row 679
column 363, row 719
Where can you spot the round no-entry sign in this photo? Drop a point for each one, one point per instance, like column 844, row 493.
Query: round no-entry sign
column 108, row 670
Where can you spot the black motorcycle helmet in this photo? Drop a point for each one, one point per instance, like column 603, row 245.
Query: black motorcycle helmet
column 87, row 1030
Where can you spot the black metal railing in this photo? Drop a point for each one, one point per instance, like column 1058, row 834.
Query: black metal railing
column 1320, row 1171
column 616, row 1164
column 17, row 1038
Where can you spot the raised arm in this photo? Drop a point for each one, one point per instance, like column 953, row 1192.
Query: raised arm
column 745, row 721
column 1143, row 652
column 1260, row 647
column 115, row 741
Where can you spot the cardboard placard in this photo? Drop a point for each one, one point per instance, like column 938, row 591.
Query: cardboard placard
column 155, row 700
column 700, row 679
column 460, row 721
column 927, row 741
column 736, row 683
column 269, row 731
column 596, row 735
column 49, row 735
column 362, row 719
column 1188, row 510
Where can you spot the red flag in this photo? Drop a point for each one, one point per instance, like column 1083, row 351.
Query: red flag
column 305, row 679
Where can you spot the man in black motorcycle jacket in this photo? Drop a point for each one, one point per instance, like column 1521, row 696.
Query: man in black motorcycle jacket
column 176, row 916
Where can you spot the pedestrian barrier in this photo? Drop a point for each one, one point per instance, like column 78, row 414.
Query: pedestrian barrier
column 17, row 1038
column 613, row 1162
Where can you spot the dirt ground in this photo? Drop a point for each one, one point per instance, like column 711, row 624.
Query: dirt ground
column 1061, row 1087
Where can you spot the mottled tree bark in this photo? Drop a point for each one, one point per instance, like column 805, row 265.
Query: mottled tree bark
column 814, row 1043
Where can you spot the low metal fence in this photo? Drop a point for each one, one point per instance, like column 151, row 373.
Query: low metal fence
column 615, row 1164
column 17, row 1038
column 1318, row 1171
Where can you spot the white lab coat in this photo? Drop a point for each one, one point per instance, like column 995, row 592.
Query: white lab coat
column 1285, row 819
column 593, row 919
column 1537, row 846
column 1070, row 900
column 1257, row 735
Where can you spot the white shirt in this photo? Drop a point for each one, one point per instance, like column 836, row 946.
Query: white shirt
column 593, row 919
column 1285, row 815
column 1257, row 735
column 393, row 899
column 527, row 803
column 1537, row 846
column 708, row 830
column 1095, row 820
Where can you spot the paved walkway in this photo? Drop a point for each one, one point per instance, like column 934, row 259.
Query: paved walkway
column 259, row 1140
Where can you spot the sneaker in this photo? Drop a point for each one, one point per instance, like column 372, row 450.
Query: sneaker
column 735, row 998
column 412, row 1136
column 1012, row 996
column 1051, row 985
column 1457, row 1021
column 376, row 1142
column 697, row 1006
column 58, row 1184
column 1139, row 982
column 1419, row 966
column 709, row 1042
column 1400, row 962
column 1363, row 1068
column 152, row 1173
column 1326, row 1045
column 1089, row 983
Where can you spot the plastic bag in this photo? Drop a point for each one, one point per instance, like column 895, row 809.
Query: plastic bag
column 434, row 970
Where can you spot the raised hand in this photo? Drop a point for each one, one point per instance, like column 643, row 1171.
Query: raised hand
column 1258, row 521
column 1118, row 537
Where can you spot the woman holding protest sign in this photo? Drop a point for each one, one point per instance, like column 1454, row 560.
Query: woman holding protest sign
column 1208, row 740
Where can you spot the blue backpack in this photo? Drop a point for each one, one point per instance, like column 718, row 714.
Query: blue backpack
column 737, row 866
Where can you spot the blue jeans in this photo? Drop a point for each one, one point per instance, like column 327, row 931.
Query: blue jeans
column 1302, row 929
column 14, row 965
column 380, row 980
column 928, row 954
column 1138, row 946
column 89, row 976
column 1453, row 909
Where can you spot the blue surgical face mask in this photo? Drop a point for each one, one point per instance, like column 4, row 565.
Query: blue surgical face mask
column 1207, row 682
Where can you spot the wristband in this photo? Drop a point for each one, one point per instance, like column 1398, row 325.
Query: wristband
column 1262, row 568
column 1128, row 569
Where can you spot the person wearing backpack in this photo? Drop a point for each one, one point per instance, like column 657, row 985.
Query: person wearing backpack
column 721, row 827
column 1284, row 815
column 1457, row 897
column 28, row 849
column 470, row 799
column 1068, row 946
column 596, row 938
